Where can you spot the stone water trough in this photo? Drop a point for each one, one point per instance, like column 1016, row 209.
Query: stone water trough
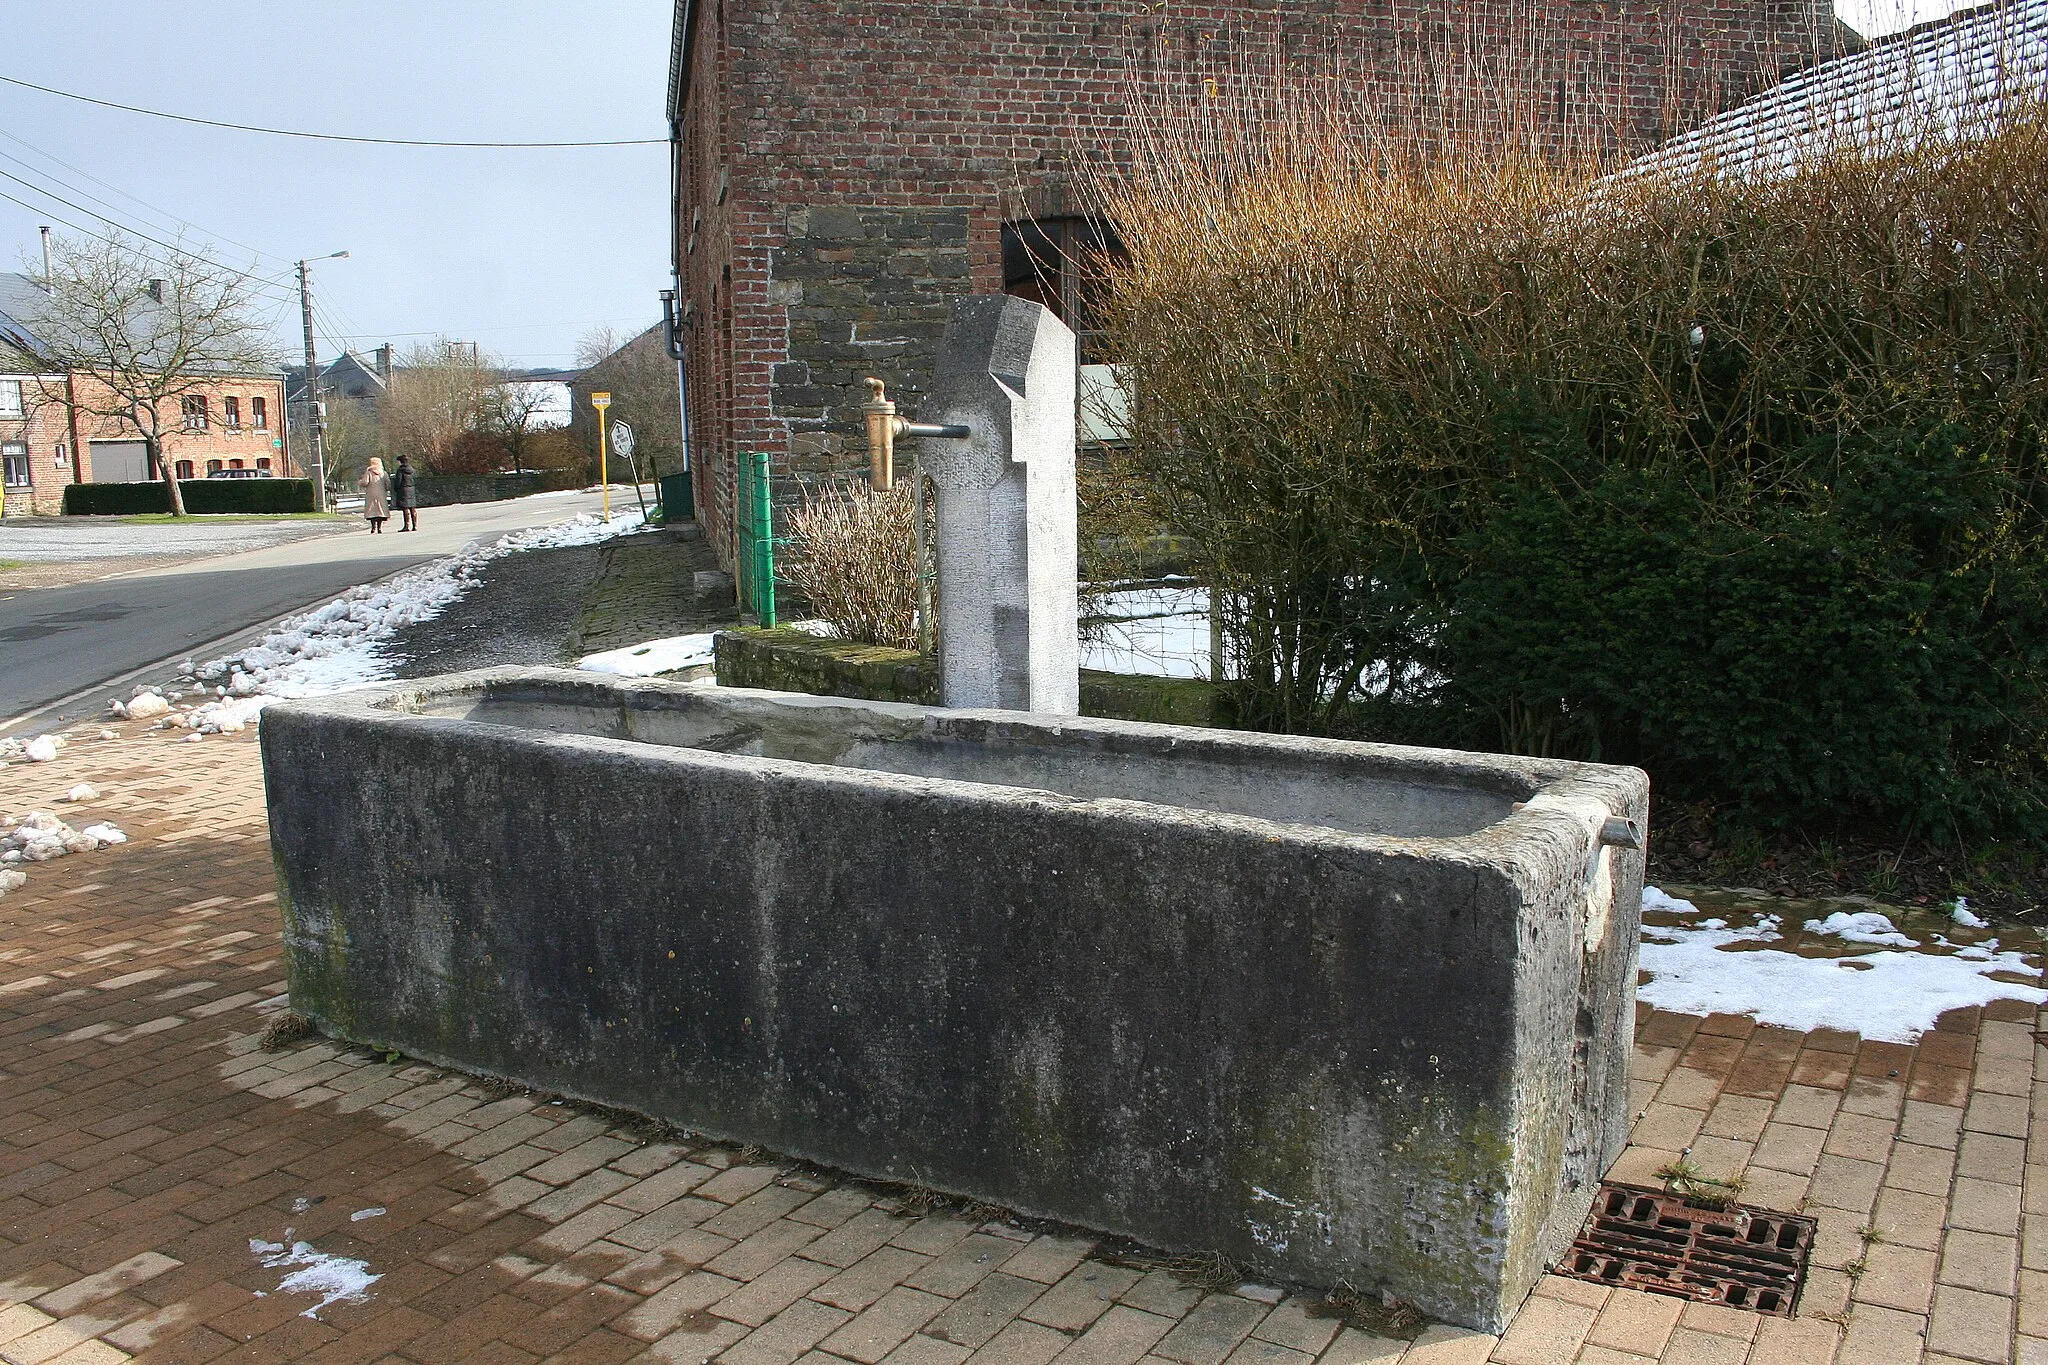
column 1340, row 1011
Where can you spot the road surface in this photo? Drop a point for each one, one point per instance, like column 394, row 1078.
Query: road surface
column 58, row 642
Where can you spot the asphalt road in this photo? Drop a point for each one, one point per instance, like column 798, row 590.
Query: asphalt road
column 56, row 642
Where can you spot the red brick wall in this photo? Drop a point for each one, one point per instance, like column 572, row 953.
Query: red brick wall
column 52, row 422
column 45, row 430
column 846, row 167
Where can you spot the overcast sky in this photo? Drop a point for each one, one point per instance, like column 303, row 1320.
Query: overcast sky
column 522, row 251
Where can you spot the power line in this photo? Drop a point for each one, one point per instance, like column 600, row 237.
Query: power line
column 162, row 213
column 261, row 284
column 328, row 137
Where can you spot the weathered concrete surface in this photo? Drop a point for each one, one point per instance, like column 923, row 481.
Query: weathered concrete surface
column 1337, row 1010
column 1008, row 603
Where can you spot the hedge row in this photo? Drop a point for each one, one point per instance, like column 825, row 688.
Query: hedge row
column 1743, row 480
column 201, row 496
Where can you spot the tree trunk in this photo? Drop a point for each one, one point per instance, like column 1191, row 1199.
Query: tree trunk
column 170, row 475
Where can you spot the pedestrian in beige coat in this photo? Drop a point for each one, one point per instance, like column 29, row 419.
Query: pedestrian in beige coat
column 376, row 496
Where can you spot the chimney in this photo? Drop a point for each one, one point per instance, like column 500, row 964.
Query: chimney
column 49, row 278
column 156, row 290
column 384, row 364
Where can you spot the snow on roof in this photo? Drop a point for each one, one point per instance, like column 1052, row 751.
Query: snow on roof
column 1953, row 77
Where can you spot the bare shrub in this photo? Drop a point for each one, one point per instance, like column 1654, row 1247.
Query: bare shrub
column 853, row 556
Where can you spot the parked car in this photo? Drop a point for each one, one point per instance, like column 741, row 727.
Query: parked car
column 241, row 474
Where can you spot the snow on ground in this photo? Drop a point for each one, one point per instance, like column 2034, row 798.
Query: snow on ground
column 336, row 1279
column 339, row 646
column 1861, row 926
column 650, row 657
column 1888, row 996
column 38, row 836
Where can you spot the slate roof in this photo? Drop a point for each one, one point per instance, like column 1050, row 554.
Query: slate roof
column 1953, row 77
column 21, row 299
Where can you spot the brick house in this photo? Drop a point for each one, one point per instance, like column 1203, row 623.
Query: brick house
column 50, row 435
column 841, row 171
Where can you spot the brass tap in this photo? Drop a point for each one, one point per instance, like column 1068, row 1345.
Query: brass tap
column 883, row 427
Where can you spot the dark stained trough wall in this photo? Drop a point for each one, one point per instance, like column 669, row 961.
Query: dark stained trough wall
column 1340, row 1011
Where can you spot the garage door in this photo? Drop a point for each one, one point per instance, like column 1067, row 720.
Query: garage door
column 120, row 462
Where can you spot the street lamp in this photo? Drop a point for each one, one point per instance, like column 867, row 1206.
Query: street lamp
column 314, row 424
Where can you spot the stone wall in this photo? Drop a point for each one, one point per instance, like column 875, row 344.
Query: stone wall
column 794, row 661
column 441, row 490
column 867, row 291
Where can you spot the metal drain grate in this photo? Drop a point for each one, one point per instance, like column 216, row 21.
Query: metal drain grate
column 1647, row 1239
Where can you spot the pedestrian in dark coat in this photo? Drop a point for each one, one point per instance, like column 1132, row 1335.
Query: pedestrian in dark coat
column 405, row 493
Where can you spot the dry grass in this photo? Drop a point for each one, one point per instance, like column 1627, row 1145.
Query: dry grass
column 852, row 556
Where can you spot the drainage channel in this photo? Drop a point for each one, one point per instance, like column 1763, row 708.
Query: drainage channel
column 1741, row 1257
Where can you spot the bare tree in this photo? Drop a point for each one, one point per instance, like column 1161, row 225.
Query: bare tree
column 510, row 412
column 438, row 392
column 595, row 344
column 643, row 383
column 141, row 328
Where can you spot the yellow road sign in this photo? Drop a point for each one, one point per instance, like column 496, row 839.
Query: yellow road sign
column 600, row 401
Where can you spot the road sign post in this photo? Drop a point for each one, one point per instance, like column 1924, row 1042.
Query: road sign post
column 622, row 441
column 601, row 401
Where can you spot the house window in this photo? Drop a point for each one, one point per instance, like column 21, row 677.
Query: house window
column 14, row 457
column 1061, row 262
column 259, row 414
column 213, row 467
column 231, row 413
column 234, row 464
column 195, row 413
column 63, row 456
column 10, row 398
column 184, row 469
column 263, row 463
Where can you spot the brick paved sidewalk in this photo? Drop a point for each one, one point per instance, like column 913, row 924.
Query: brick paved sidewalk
column 152, row 1156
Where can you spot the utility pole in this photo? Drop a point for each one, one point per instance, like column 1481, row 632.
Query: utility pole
column 313, row 423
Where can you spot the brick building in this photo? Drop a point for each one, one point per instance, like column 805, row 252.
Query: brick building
column 841, row 171
column 51, row 435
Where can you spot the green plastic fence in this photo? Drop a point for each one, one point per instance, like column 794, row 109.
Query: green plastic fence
column 757, row 536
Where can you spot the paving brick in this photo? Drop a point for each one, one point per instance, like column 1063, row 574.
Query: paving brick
column 869, row 1278
column 1022, row 1343
column 1353, row 1347
column 788, row 1335
column 963, row 1265
column 1084, row 1295
column 1980, row 1260
column 978, row 1316
column 1970, row 1324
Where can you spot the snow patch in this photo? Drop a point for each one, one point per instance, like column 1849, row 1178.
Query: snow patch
column 1888, row 996
column 1861, row 926
column 337, row 1279
column 375, row 1211
column 39, row 837
column 1961, row 913
column 339, row 646
column 84, row 791
column 651, row 657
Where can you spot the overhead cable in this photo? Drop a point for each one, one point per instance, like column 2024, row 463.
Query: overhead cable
column 329, row 137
